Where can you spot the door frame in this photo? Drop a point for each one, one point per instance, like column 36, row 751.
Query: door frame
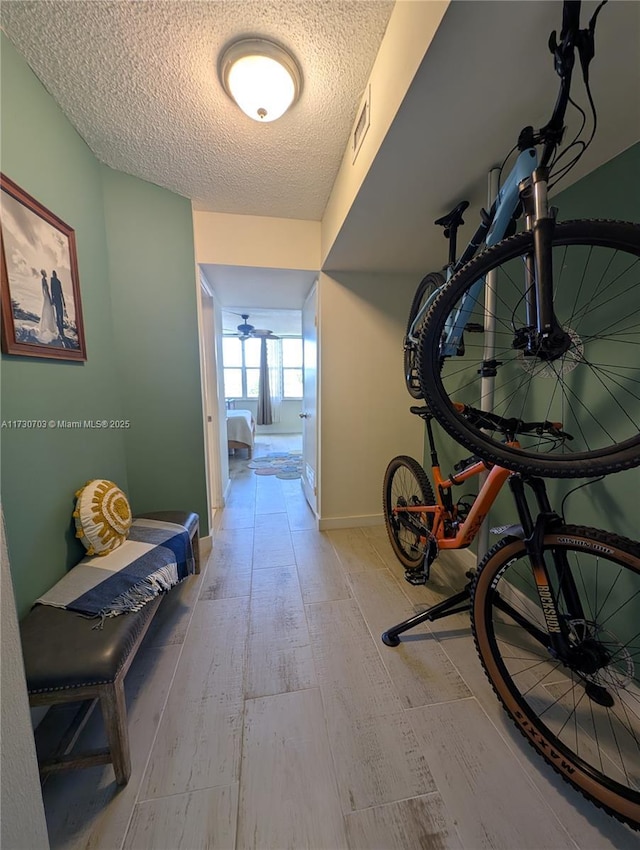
column 210, row 394
column 312, row 496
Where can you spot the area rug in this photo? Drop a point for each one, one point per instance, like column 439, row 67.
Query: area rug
column 280, row 464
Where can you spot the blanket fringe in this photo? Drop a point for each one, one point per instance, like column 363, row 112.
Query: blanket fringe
column 137, row 597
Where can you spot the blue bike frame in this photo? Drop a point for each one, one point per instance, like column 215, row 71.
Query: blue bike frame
column 505, row 205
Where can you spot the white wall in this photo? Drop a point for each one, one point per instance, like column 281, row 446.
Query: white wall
column 365, row 419
column 249, row 240
column 23, row 824
column 409, row 33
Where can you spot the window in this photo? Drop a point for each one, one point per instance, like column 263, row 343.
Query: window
column 241, row 358
column 292, row 368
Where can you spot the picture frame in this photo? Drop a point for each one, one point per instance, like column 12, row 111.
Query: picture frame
column 39, row 283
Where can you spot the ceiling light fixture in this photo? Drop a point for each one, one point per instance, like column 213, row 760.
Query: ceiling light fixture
column 262, row 78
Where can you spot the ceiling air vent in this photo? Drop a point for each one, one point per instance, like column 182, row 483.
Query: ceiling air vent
column 362, row 123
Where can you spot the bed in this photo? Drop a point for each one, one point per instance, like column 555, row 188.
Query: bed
column 241, row 430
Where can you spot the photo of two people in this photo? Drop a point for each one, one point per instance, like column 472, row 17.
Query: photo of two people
column 40, row 293
column 53, row 312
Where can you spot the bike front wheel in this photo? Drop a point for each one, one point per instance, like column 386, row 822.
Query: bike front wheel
column 427, row 286
column 590, row 384
column 582, row 714
column 406, row 486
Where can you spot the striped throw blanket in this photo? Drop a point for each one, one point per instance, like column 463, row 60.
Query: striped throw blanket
column 155, row 557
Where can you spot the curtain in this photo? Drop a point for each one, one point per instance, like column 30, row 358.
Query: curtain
column 264, row 415
column 274, row 352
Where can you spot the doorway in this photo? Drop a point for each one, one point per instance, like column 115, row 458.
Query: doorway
column 269, row 300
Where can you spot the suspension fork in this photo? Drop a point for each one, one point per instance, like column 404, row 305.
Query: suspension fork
column 530, row 296
column 543, row 228
column 553, row 581
column 543, row 336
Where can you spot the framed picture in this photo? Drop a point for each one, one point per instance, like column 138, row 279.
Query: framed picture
column 41, row 310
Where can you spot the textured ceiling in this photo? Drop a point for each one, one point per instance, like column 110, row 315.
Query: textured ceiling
column 138, row 80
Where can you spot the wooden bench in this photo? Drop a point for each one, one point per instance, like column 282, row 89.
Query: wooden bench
column 68, row 660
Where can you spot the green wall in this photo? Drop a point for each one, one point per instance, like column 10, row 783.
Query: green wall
column 153, row 290
column 42, row 469
column 131, row 340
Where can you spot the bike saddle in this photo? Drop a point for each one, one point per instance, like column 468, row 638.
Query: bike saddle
column 454, row 218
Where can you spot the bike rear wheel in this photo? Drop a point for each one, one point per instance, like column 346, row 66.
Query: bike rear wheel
column 592, row 387
column 406, row 485
column 427, row 286
column 581, row 714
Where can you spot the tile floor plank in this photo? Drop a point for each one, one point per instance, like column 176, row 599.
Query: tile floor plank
column 422, row 823
column 237, row 517
column 421, row 670
column 269, row 496
column 199, row 820
column 354, row 550
column 229, row 570
column 364, row 715
column 322, row 578
column 198, row 741
column 272, row 541
column 288, row 797
column 279, row 650
column 300, row 515
column 496, row 805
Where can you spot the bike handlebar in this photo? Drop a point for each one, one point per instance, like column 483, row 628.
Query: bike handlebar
column 511, row 427
column 571, row 38
column 570, row 18
column 564, row 57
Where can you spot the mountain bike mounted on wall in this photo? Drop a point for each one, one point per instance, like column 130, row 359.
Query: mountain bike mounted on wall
column 553, row 615
column 527, row 354
column 556, row 331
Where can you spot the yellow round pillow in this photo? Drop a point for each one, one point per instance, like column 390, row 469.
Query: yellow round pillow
column 102, row 515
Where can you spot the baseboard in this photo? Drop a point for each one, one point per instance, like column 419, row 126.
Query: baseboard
column 206, row 545
column 326, row 523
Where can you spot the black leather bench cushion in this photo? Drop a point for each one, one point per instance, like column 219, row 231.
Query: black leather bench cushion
column 186, row 518
column 62, row 649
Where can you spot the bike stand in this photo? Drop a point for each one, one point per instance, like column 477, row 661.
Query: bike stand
column 442, row 609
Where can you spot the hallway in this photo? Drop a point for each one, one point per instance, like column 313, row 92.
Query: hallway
column 265, row 713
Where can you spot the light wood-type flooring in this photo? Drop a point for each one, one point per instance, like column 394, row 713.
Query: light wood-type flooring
column 265, row 712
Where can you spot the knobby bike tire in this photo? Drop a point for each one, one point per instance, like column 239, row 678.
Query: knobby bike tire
column 593, row 388
column 428, row 285
column 593, row 745
column 405, row 478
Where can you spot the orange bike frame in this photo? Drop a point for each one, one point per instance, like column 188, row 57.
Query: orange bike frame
column 480, row 508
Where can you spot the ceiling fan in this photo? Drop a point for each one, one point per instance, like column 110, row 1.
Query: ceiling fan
column 246, row 331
